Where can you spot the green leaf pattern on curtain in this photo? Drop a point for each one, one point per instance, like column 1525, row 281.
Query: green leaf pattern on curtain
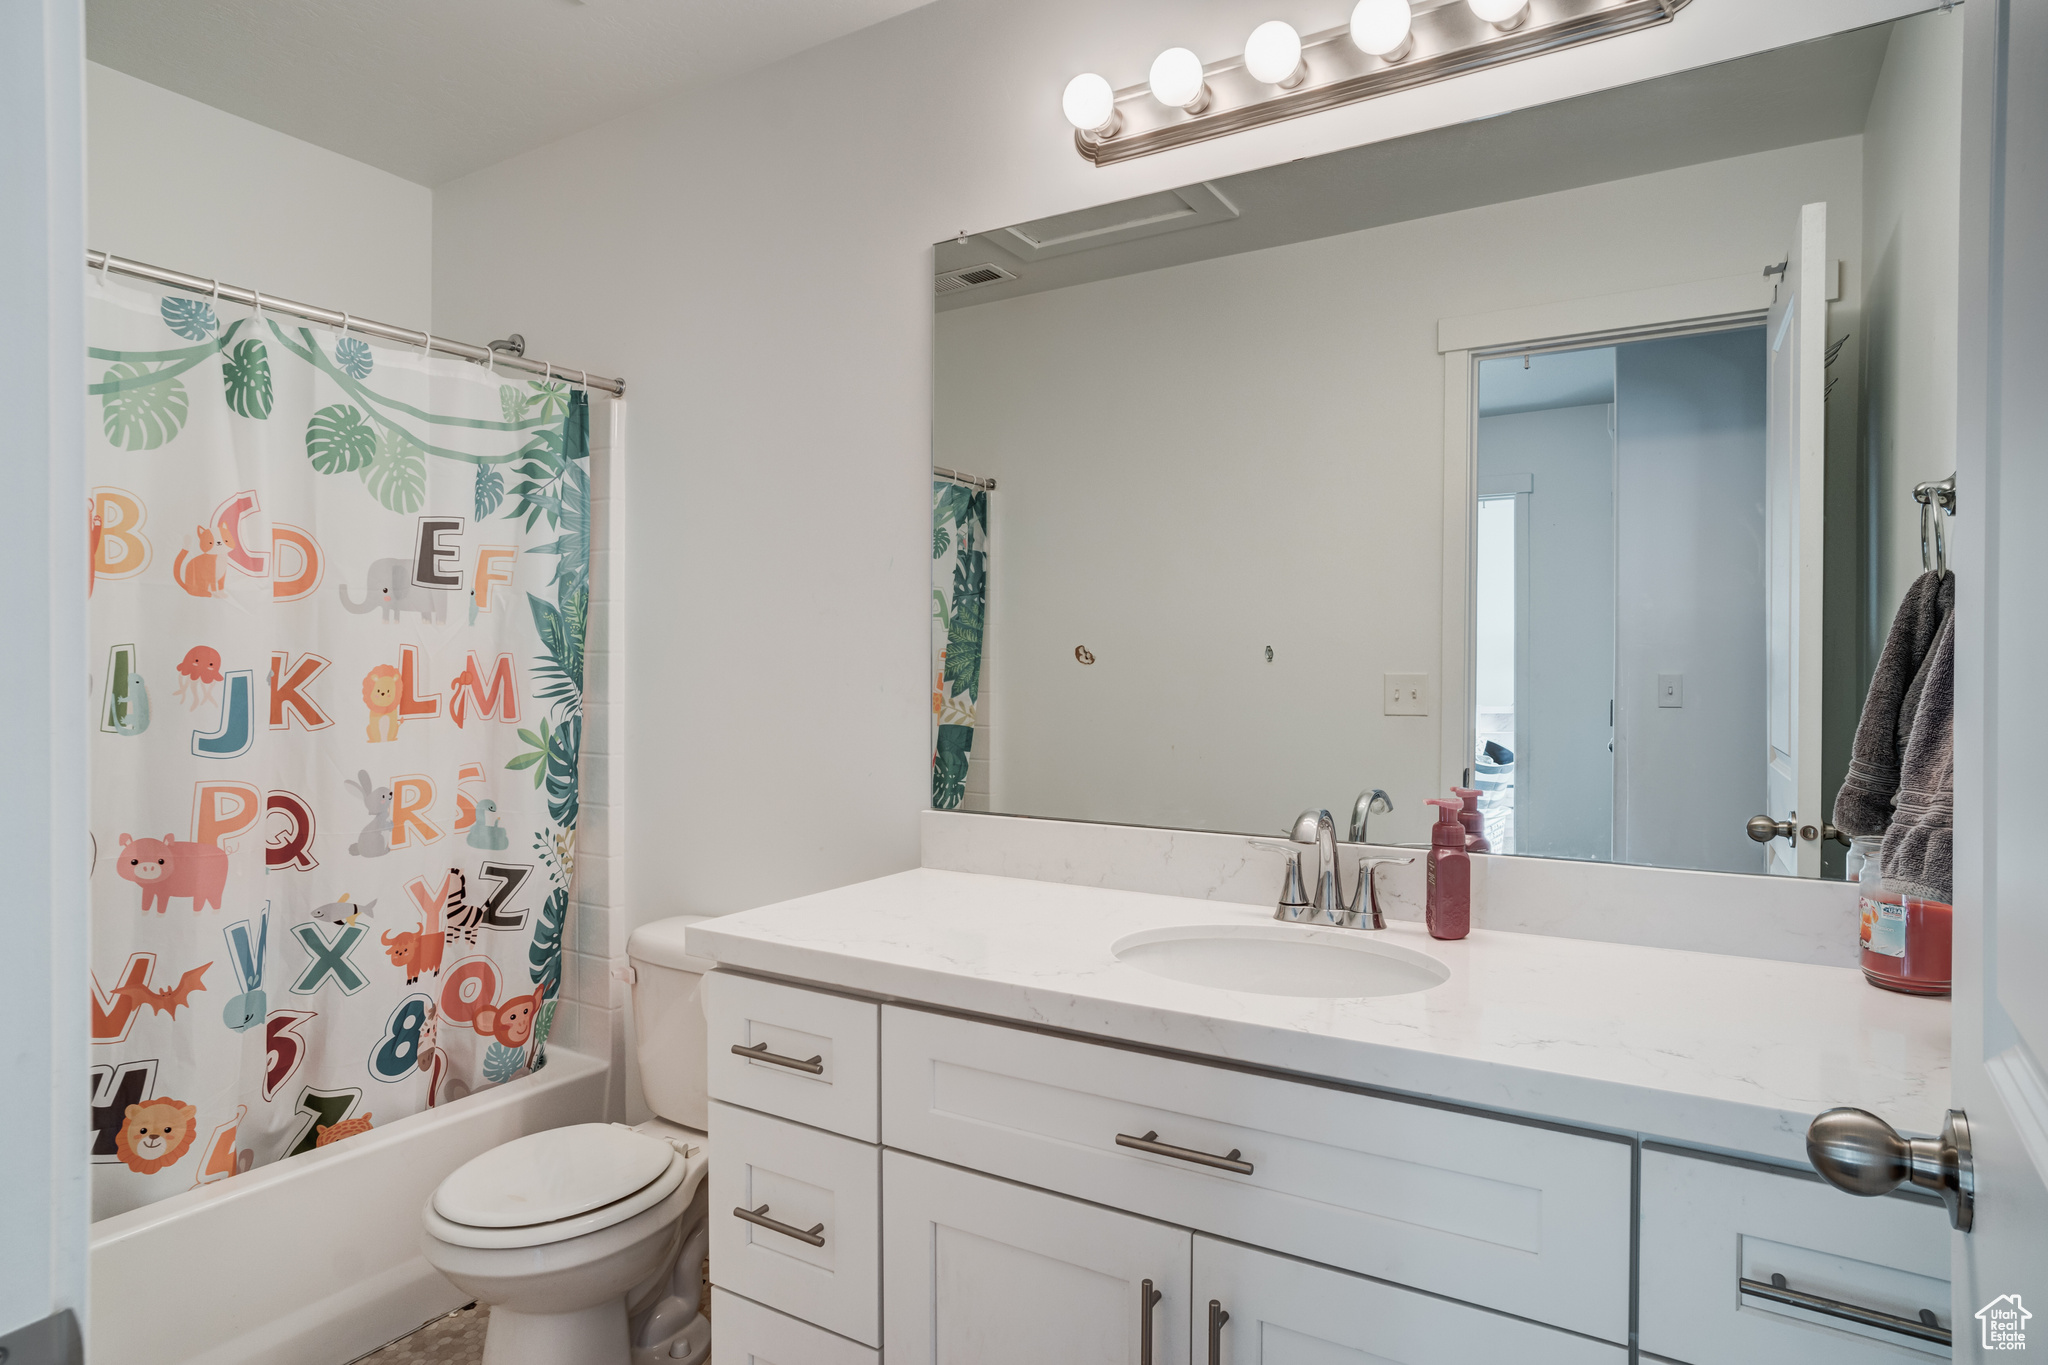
column 143, row 408
column 397, row 472
column 245, row 376
column 339, row 441
column 959, row 609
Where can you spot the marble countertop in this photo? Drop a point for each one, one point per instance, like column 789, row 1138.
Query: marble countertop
column 1731, row 1053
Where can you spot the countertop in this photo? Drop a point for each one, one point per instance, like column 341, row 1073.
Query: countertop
column 1730, row 1053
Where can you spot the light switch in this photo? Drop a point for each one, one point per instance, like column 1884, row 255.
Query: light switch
column 1407, row 694
column 1671, row 689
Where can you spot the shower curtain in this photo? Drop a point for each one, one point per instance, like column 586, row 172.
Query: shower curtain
column 959, row 609
column 337, row 595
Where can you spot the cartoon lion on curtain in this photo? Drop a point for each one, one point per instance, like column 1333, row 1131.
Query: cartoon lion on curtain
column 154, row 1134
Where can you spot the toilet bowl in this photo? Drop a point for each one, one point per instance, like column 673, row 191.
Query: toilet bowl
column 562, row 1232
column 588, row 1241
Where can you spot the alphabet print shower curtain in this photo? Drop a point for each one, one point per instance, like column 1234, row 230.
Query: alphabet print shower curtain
column 337, row 595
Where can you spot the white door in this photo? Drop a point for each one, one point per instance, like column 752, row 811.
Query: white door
column 978, row 1271
column 2001, row 945
column 1795, row 489
column 1255, row 1308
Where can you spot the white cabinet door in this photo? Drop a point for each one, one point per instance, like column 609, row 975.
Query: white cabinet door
column 982, row 1272
column 1255, row 1308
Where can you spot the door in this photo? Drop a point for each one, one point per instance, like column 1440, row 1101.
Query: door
column 1256, row 1308
column 978, row 1271
column 2001, row 947
column 1795, row 489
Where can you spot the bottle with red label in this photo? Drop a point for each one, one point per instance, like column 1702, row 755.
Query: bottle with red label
column 1906, row 942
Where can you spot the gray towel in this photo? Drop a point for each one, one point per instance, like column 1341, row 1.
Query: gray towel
column 1918, row 846
column 1864, row 803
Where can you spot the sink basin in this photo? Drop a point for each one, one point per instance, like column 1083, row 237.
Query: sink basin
column 1282, row 959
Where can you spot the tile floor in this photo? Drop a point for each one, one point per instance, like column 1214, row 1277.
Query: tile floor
column 456, row 1339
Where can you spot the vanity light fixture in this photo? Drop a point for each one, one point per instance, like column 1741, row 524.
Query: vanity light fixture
column 1383, row 28
column 1505, row 15
column 1177, row 80
column 1388, row 45
column 1090, row 105
column 1272, row 55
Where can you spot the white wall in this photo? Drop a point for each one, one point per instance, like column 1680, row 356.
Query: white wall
column 43, row 1023
column 755, row 259
column 1689, row 569
column 1196, row 462
column 1911, row 177
column 1564, row 769
column 177, row 183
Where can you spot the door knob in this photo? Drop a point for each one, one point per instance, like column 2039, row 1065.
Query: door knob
column 1763, row 829
column 1859, row 1152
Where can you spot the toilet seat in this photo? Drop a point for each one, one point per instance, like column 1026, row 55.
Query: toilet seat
column 551, row 1186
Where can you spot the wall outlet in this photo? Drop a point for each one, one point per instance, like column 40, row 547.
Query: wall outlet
column 1407, row 694
column 1671, row 689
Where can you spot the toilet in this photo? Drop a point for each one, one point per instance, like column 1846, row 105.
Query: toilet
column 588, row 1241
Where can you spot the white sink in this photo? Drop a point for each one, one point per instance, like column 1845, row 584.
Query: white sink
column 1282, row 959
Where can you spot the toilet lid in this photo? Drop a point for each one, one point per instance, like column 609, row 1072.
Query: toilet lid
column 549, row 1176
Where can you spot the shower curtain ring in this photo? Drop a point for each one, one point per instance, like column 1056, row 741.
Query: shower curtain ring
column 548, row 375
column 344, row 323
column 106, row 267
column 584, row 378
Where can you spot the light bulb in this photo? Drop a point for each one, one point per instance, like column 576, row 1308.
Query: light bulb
column 1090, row 105
column 1381, row 28
column 1505, row 15
column 1273, row 55
column 1177, row 80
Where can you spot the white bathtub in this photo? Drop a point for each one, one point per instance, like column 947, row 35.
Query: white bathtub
column 315, row 1259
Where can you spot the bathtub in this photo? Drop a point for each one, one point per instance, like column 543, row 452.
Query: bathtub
column 315, row 1259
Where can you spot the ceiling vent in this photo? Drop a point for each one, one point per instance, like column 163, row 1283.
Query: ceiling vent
column 973, row 277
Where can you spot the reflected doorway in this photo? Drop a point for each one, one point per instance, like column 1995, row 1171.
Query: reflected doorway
column 1619, row 604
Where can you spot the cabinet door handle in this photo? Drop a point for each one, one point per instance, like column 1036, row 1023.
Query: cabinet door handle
column 1217, row 1317
column 1150, row 1143
column 1925, row 1329
column 759, row 1052
column 1147, row 1297
column 760, row 1219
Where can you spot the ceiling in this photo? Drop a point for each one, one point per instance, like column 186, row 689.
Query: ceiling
column 1809, row 92
column 1537, row 383
column 434, row 89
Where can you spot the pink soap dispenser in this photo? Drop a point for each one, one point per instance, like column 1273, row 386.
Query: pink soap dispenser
column 1448, row 905
column 1474, row 822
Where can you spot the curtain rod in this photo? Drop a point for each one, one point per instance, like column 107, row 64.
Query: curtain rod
column 971, row 480
column 234, row 293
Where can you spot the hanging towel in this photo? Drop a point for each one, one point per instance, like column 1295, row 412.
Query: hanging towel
column 1918, row 846
column 1864, row 804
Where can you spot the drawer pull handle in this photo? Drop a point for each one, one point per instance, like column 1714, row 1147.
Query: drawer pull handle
column 1217, row 1317
column 1147, row 1297
column 759, row 1052
column 1776, row 1292
column 760, row 1219
column 1150, row 1143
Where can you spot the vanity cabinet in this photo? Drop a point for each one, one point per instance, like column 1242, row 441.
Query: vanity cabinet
column 1283, row 1312
column 949, row 1191
column 1524, row 1218
column 983, row 1272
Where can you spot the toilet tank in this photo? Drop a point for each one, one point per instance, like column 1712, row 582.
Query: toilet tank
column 668, row 1020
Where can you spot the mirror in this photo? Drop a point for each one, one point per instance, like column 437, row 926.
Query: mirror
column 1566, row 455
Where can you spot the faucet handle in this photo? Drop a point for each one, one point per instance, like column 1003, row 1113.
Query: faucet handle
column 1293, row 906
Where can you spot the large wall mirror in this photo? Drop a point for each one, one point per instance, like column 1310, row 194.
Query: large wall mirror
column 1569, row 455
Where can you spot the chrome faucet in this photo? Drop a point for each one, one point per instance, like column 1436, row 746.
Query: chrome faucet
column 1326, row 905
column 1370, row 802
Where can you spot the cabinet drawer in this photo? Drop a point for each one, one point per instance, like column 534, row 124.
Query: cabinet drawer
column 1528, row 1220
column 1708, row 1225
column 814, row 1184
column 1282, row 1311
column 983, row 1272
column 829, row 1032
column 745, row 1333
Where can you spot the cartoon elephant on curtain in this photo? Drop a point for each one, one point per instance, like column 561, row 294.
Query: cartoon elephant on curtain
column 391, row 587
